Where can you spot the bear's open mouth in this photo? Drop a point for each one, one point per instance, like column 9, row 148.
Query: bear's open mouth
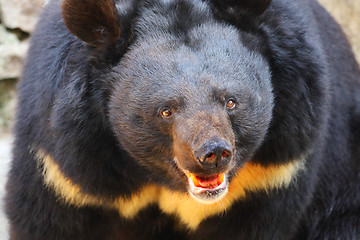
column 206, row 182
column 207, row 189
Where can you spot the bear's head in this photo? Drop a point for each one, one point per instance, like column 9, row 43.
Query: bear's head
column 192, row 96
column 191, row 108
column 190, row 102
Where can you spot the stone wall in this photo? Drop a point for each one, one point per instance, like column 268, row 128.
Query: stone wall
column 18, row 19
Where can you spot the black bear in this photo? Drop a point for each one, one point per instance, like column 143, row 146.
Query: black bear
column 186, row 119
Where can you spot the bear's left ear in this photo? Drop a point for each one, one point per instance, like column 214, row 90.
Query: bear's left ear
column 94, row 21
column 254, row 6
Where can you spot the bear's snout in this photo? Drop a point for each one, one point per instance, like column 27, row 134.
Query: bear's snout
column 214, row 153
column 204, row 143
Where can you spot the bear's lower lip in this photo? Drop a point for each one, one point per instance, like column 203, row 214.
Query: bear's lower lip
column 207, row 189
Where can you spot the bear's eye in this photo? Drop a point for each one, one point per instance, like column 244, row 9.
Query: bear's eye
column 231, row 104
column 165, row 113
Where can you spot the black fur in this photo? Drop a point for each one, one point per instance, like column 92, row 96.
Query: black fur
column 94, row 107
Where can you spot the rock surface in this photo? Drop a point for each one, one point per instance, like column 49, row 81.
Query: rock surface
column 17, row 20
column 5, row 153
column 20, row 14
column 12, row 51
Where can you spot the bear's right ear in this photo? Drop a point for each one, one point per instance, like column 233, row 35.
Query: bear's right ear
column 94, row 21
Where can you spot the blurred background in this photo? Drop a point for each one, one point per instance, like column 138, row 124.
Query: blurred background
column 17, row 21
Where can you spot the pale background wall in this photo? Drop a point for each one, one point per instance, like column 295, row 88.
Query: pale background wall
column 17, row 21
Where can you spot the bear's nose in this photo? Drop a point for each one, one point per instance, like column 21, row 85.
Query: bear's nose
column 214, row 153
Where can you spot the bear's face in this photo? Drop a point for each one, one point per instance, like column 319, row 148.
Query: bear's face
column 191, row 109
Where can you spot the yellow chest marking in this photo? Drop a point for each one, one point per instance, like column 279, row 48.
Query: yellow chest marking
column 251, row 177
